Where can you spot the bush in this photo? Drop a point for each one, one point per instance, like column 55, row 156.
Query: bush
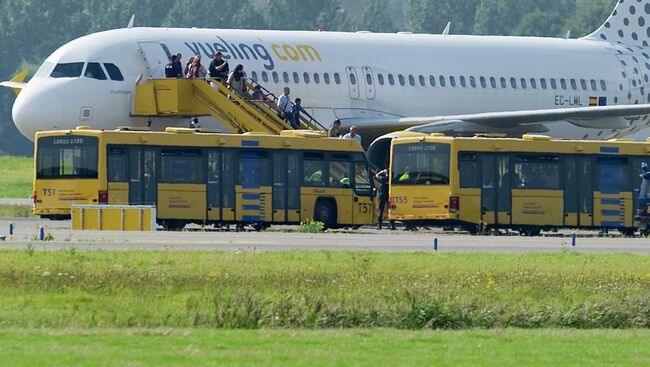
column 311, row 226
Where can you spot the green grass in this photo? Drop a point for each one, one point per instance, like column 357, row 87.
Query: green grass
column 15, row 211
column 16, row 174
column 169, row 347
column 301, row 289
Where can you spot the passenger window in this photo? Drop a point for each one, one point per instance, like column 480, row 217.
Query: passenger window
column 337, row 78
column 452, row 81
column 353, row 79
column 574, row 84
column 463, row 83
column 368, row 79
column 563, row 83
column 94, row 71
column 339, row 174
column 276, row 78
column 442, row 81
column 380, row 79
column 391, row 79
column 583, row 84
column 411, row 80
column 400, row 77
column 523, row 83
column 493, row 82
column 537, row 172
column 468, row 167
column 603, row 85
column 285, row 77
column 68, row 70
column 594, row 87
column 254, row 76
column 326, row 78
column 181, row 166
column 296, row 78
column 117, row 165
column 504, row 85
column 483, row 82
column 472, row 82
column 533, row 83
column 265, row 77
column 553, row 84
column 542, row 82
column 432, row 80
column 513, row 83
column 305, row 77
column 316, row 78
column 114, row 72
column 422, row 81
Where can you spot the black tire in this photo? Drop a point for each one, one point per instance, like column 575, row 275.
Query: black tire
column 325, row 212
column 173, row 225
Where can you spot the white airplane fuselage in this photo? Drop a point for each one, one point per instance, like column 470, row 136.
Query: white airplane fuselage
column 372, row 77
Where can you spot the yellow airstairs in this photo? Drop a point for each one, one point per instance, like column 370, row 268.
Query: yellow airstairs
column 191, row 98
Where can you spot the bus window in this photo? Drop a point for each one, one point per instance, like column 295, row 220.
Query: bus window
column 612, row 175
column 117, row 164
column 293, row 180
column 279, row 179
column 468, row 167
column 362, row 183
column 181, row 166
column 254, row 169
column 339, row 174
column 228, row 178
column 541, row 172
column 313, row 169
column 420, row 164
column 67, row 157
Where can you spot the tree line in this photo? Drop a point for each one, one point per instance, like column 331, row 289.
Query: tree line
column 32, row 29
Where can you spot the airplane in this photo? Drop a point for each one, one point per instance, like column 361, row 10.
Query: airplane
column 595, row 87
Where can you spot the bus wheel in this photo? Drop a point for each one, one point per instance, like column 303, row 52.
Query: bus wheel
column 325, row 212
column 259, row 227
column 173, row 225
column 627, row 232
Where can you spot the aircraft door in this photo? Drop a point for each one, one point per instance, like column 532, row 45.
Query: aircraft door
column 353, row 82
column 156, row 56
column 369, row 78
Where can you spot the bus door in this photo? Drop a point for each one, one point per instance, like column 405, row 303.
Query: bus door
column 495, row 189
column 221, row 185
column 364, row 195
column 353, row 82
column 286, row 187
column 253, row 191
column 613, row 201
column 143, row 176
column 578, row 191
column 370, row 82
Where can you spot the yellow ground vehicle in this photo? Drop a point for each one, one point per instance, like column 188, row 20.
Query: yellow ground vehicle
column 526, row 184
column 202, row 177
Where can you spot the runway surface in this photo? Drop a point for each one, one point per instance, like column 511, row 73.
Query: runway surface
column 26, row 235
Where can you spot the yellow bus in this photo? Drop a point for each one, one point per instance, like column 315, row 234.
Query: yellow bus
column 193, row 176
column 530, row 184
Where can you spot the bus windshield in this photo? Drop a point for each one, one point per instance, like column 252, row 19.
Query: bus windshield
column 67, row 157
column 420, row 164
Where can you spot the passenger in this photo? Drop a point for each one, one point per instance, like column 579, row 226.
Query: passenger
column 295, row 114
column 335, row 130
column 188, row 65
column 178, row 67
column 219, row 67
column 284, row 104
column 353, row 135
column 236, row 80
column 382, row 177
column 258, row 95
column 196, row 69
column 170, row 69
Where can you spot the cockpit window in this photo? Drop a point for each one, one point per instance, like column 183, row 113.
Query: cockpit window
column 44, row 70
column 67, row 70
column 94, row 70
column 114, row 72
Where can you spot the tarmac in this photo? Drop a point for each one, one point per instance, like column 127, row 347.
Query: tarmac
column 285, row 238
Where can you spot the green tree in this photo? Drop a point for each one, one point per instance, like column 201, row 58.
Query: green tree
column 431, row 16
column 375, row 18
column 305, row 14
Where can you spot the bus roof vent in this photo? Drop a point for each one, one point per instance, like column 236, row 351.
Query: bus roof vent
column 255, row 133
column 132, row 128
column 304, row 133
column 181, row 130
column 534, row 137
column 436, row 134
column 82, row 127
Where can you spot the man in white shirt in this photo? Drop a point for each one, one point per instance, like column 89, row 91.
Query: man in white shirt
column 284, row 104
column 353, row 135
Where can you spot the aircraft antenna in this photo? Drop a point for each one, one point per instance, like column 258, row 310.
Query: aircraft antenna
column 130, row 25
column 445, row 32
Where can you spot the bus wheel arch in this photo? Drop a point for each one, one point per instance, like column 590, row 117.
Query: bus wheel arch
column 325, row 211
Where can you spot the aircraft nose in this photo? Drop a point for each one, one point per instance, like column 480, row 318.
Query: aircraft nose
column 37, row 110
